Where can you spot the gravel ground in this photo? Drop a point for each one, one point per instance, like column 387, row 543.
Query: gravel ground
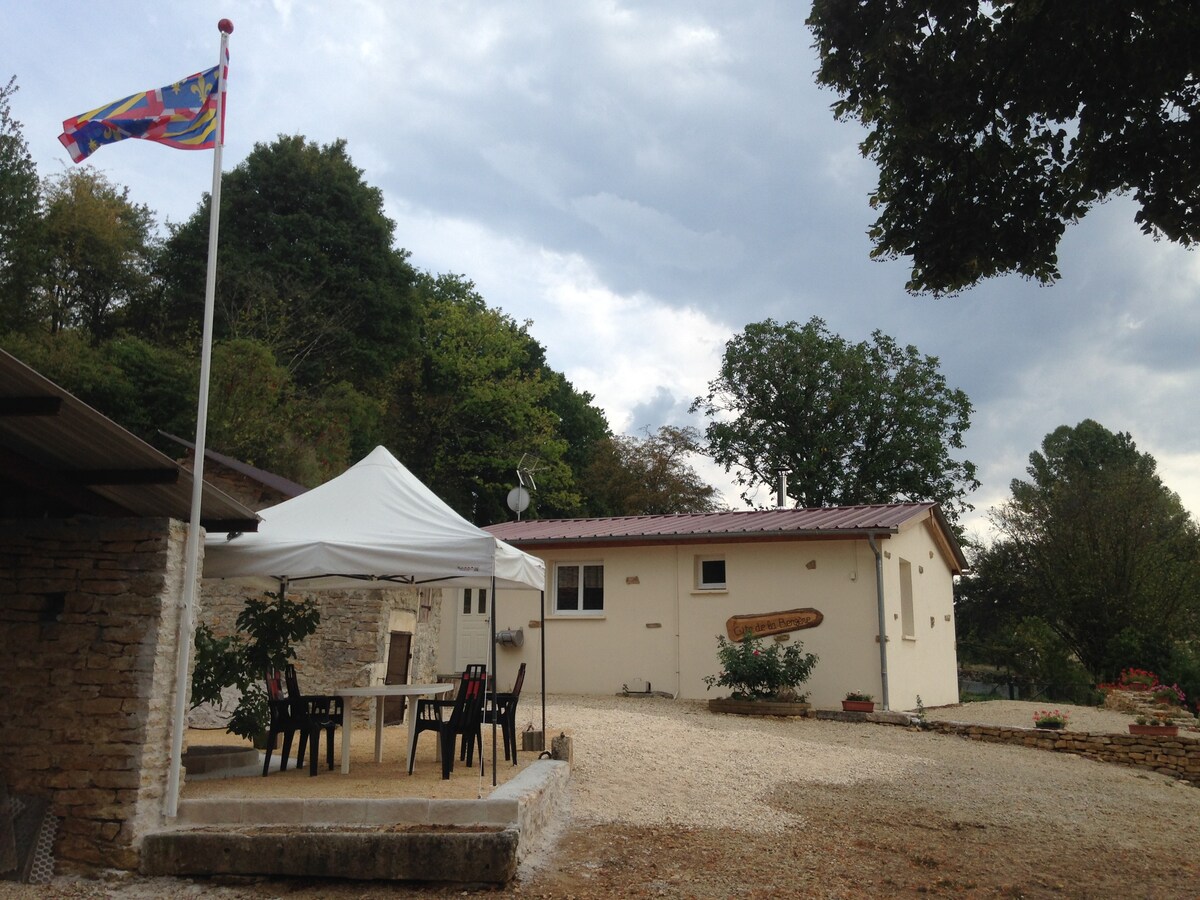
column 669, row 800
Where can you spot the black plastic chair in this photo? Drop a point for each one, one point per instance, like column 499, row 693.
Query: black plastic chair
column 504, row 712
column 282, row 722
column 313, row 713
column 466, row 711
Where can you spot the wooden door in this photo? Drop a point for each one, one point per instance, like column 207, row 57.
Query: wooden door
column 399, row 656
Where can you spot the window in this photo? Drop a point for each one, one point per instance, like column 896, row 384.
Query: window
column 907, row 619
column 710, row 573
column 477, row 594
column 579, row 588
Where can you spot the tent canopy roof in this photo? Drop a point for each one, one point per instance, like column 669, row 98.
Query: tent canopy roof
column 375, row 525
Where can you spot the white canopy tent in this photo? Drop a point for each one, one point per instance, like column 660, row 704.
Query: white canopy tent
column 374, row 526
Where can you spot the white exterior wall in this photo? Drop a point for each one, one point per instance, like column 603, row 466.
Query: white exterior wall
column 925, row 663
column 658, row 628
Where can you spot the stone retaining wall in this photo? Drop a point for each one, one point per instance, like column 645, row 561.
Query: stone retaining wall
column 89, row 612
column 1178, row 757
column 397, row 838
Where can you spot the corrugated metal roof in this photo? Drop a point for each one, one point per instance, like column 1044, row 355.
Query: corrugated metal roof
column 60, row 457
column 734, row 525
column 742, row 523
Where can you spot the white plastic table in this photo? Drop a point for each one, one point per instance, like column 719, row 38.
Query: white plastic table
column 380, row 692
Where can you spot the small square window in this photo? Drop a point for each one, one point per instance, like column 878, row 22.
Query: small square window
column 710, row 573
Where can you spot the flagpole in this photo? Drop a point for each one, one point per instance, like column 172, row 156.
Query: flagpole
column 191, row 562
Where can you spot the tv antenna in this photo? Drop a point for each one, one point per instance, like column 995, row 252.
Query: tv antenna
column 518, row 497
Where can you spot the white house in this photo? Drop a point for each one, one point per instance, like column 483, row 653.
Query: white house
column 637, row 602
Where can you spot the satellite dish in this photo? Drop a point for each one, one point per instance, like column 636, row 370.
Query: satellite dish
column 518, row 500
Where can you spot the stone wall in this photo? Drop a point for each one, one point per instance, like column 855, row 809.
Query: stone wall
column 1178, row 757
column 88, row 623
column 350, row 645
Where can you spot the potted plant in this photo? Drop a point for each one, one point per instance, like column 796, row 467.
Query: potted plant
column 763, row 680
column 858, row 701
column 268, row 628
column 1160, row 723
column 1051, row 720
column 1168, row 695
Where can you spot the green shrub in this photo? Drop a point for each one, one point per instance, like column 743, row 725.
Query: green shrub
column 754, row 672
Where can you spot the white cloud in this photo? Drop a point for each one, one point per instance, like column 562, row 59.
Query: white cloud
column 641, row 181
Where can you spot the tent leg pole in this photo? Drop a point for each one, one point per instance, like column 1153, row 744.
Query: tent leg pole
column 495, row 686
column 543, row 643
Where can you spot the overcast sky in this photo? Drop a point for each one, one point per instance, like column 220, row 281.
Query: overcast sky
column 640, row 181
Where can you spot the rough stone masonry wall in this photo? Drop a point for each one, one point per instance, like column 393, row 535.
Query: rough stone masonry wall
column 1175, row 756
column 88, row 623
column 350, row 646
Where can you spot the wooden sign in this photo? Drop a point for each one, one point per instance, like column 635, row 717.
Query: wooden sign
column 765, row 624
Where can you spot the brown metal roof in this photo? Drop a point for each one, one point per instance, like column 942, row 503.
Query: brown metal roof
column 284, row 486
column 59, row 457
column 730, row 525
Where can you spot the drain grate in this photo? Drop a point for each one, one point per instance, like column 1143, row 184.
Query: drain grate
column 8, row 843
column 33, row 831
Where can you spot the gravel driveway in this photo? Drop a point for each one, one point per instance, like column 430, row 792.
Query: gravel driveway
column 670, row 800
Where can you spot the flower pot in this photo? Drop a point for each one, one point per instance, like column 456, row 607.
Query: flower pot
column 1050, row 726
column 758, row 707
column 1164, row 730
column 858, row 706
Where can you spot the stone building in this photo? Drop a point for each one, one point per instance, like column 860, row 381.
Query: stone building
column 92, row 543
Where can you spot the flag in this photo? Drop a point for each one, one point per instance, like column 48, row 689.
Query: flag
column 181, row 115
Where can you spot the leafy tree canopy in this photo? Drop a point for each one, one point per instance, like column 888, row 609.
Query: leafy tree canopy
column 306, row 266
column 95, row 254
column 20, row 202
column 996, row 124
column 1096, row 547
column 871, row 422
column 631, row 476
column 132, row 381
column 256, row 411
column 465, row 410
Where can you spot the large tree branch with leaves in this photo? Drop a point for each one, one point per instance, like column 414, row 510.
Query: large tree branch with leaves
column 996, row 124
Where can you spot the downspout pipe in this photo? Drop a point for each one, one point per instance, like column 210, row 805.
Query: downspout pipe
column 883, row 668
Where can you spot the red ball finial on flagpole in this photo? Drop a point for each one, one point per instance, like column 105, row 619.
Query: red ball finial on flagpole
column 225, row 26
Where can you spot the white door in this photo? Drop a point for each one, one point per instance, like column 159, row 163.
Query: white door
column 474, row 628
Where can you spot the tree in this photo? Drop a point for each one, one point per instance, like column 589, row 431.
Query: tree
column 852, row 423
column 268, row 628
column 1001, row 641
column 96, row 252
column 306, row 267
column 142, row 386
column 631, row 476
column 20, row 204
column 258, row 414
column 996, row 124
column 1095, row 545
column 584, row 428
column 463, row 412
